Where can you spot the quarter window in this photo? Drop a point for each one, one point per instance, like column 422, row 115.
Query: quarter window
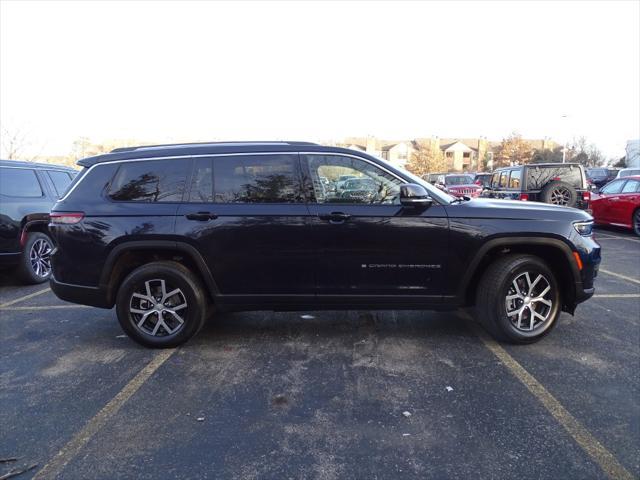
column 19, row 182
column 150, row 181
column 339, row 179
column 60, row 180
column 247, row 179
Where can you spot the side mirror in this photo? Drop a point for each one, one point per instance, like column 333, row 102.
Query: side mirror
column 414, row 195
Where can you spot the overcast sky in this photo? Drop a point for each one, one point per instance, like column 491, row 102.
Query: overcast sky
column 315, row 71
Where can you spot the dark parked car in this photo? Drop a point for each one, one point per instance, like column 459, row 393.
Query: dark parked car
column 563, row 184
column 166, row 233
column 601, row 176
column 28, row 190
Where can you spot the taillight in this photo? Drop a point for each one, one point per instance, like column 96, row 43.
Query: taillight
column 524, row 197
column 586, row 196
column 66, row 218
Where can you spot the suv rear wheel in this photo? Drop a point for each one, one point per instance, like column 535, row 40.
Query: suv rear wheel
column 161, row 305
column 518, row 299
column 35, row 265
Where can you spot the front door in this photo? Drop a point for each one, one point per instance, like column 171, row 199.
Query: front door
column 367, row 243
column 247, row 217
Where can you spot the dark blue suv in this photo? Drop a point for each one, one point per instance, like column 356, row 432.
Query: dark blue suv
column 28, row 190
column 168, row 233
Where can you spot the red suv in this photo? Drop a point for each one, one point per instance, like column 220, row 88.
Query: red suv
column 459, row 185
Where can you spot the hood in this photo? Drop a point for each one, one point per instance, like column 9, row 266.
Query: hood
column 515, row 209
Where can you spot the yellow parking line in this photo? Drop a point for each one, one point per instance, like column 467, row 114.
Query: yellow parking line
column 54, row 467
column 26, row 297
column 44, row 307
column 624, row 277
column 598, row 453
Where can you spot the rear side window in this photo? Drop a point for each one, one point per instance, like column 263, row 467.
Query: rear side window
column 514, row 179
column 19, row 182
column 150, row 181
column 538, row 177
column 503, row 179
column 631, row 186
column 495, row 179
column 247, row 179
column 60, row 180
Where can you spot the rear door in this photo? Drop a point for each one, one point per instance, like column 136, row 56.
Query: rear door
column 367, row 244
column 247, row 216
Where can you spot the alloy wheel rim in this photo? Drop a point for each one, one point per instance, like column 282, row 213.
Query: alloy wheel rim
column 528, row 302
column 560, row 196
column 158, row 309
column 40, row 257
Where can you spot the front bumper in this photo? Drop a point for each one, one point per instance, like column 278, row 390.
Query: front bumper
column 91, row 296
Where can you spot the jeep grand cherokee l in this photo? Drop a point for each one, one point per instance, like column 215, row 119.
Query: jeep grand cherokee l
column 28, row 190
column 168, row 233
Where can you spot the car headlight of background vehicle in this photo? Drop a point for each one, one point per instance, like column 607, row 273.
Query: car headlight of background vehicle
column 584, row 228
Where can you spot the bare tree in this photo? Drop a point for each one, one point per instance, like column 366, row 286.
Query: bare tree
column 14, row 142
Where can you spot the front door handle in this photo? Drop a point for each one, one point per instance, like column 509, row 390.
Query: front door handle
column 201, row 216
column 334, row 217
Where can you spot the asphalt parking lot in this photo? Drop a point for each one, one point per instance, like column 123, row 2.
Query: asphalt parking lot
column 360, row 394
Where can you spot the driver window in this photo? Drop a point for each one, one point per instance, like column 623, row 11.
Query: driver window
column 613, row 187
column 338, row 179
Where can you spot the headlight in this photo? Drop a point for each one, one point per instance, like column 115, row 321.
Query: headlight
column 583, row 228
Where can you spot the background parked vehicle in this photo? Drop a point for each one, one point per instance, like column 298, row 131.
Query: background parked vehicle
column 628, row 172
column 482, row 179
column 459, row 185
column 601, row 176
column 562, row 184
column 27, row 192
column 618, row 204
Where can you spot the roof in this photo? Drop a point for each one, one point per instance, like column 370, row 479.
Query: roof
column 184, row 150
column 22, row 163
column 386, row 148
column 209, row 148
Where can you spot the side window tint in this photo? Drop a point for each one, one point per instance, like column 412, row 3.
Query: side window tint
column 514, row 179
column 60, row 180
column 19, row 182
column 202, row 181
column 613, row 187
column 495, row 180
column 338, row 179
column 150, row 181
column 255, row 179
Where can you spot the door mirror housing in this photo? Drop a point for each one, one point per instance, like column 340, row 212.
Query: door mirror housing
column 414, row 195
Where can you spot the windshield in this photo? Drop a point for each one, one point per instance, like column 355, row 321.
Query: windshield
column 597, row 172
column 458, row 180
column 629, row 172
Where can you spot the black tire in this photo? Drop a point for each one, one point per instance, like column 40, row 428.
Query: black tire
column 170, row 332
column 635, row 221
column 35, row 261
column 559, row 193
column 498, row 283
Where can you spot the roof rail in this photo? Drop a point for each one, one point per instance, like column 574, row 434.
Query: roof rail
column 203, row 144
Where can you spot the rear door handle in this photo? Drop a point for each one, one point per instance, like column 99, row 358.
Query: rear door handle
column 334, row 217
column 201, row 216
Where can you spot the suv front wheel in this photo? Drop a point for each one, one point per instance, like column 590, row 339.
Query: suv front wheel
column 161, row 304
column 518, row 299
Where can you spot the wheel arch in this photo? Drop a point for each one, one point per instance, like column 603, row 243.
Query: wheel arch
column 555, row 252
column 126, row 257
